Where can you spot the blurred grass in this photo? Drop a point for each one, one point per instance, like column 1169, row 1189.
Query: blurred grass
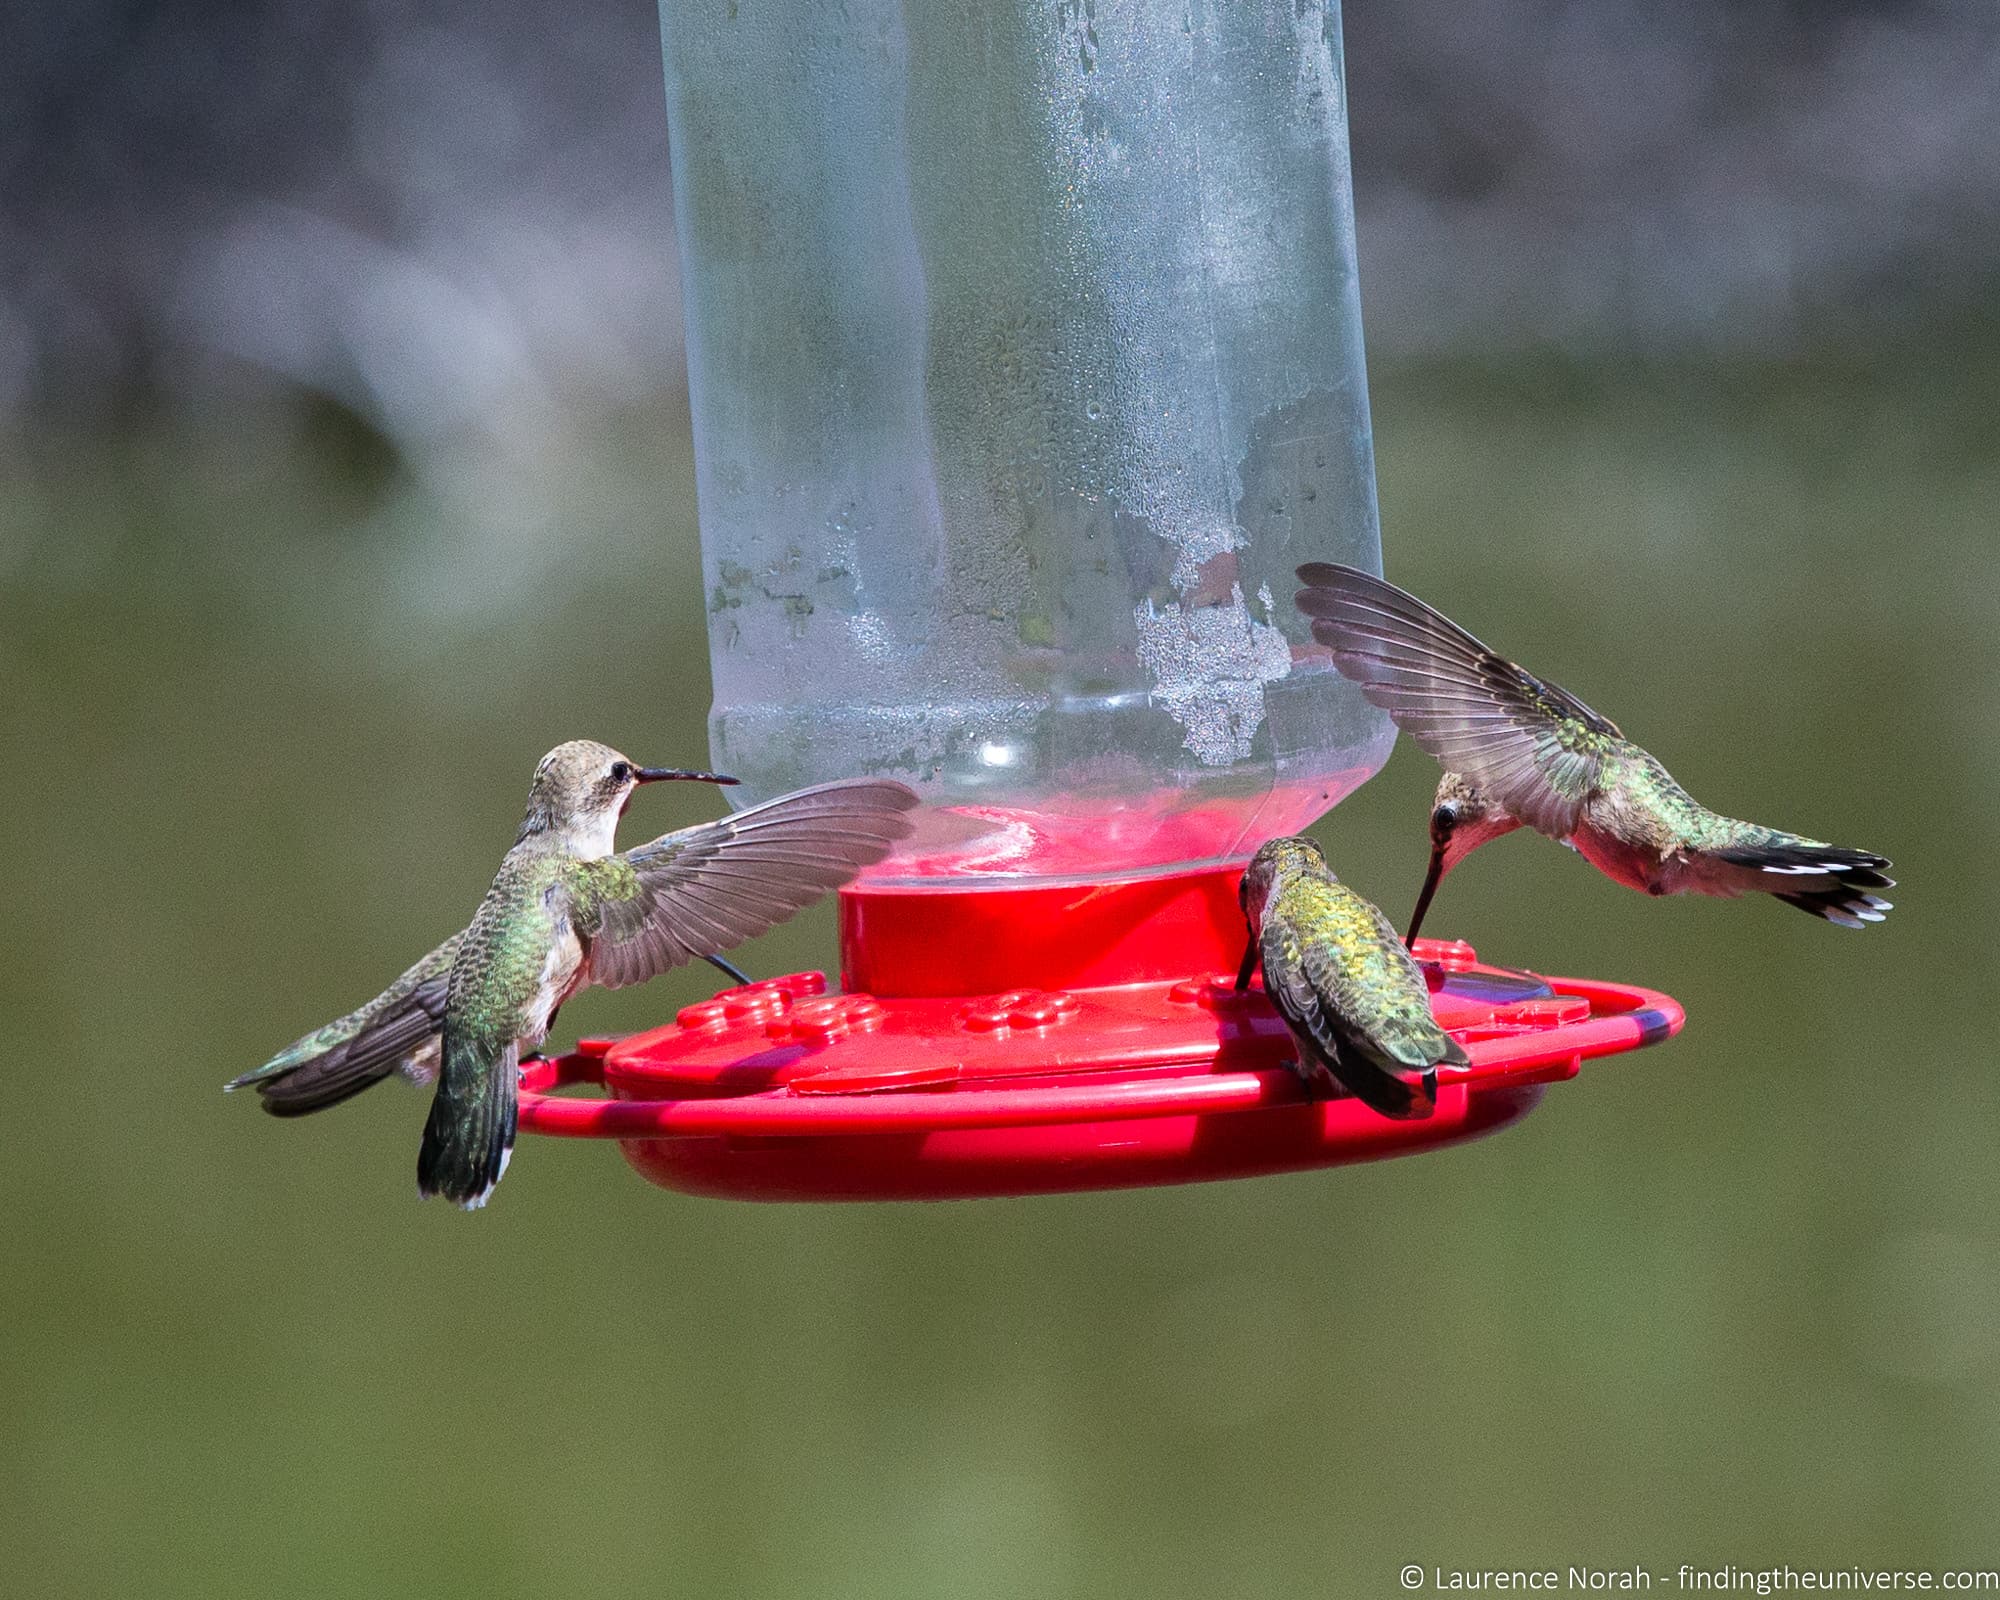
column 1734, row 1300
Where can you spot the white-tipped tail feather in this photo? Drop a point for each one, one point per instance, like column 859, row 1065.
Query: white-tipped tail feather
column 1826, row 881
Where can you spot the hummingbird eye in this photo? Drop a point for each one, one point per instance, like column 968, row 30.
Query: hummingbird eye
column 1445, row 818
column 621, row 772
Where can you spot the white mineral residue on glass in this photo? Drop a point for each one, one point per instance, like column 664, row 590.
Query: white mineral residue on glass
column 1209, row 667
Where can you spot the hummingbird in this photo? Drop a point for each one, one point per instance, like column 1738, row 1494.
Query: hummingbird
column 1519, row 751
column 397, row 1031
column 1344, row 983
column 565, row 912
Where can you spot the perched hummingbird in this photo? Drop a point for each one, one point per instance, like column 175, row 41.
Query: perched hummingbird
column 1343, row 982
column 565, row 912
column 398, row 1031
column 1519, row 751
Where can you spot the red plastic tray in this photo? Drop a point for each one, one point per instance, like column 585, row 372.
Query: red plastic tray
column 781, row 1091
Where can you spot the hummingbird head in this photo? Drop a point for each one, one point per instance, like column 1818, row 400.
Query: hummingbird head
column 1276, row 861
column 580, row 791
column 1462, row 819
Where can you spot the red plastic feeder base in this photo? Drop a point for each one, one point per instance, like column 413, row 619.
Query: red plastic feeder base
column 1095, row 1069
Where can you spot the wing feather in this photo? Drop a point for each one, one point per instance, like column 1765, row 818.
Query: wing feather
column 1531, row 745
column 333, row 1063
column 1325, row 995
column 707, row 889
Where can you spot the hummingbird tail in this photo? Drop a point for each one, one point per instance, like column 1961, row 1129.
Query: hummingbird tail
column 1826, row 881
column 1385, row 1092
column 469, row 1134
column 1842, row 907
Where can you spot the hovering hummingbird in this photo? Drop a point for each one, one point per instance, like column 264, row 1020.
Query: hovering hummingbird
column 565, row 912
column 1345, row 985
column 1519, row 751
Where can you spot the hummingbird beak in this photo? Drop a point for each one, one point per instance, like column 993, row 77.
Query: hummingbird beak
column 1431, row 881
column 1244, row 972
column 680, row 774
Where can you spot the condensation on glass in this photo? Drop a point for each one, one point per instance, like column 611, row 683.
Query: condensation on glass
column 1025, row 359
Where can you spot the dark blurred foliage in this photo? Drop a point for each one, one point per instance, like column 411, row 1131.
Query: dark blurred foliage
column 438, row 214
column 430, row 212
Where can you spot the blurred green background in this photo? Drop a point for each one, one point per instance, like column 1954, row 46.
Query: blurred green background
column 1734, row 1299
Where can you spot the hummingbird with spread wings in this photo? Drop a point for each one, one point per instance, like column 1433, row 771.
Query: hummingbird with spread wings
column 564, row 912
column 1334, row 969
column 1519, row 751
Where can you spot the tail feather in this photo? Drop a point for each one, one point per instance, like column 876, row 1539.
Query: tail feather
column 1845, row 908
column 1827, row 881
column 469, row 1134
column 1397, row 1078
column 1386, row 1093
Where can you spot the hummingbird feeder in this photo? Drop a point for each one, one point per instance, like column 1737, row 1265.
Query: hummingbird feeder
column 1024, row 355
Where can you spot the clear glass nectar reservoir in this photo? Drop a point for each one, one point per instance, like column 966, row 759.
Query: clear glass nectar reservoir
column 1024, row 351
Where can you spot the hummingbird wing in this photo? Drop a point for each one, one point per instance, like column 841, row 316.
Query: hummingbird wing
column 706, row 889
column 396, row 1029
column 1531, row 745
column 1346, row 995
column 1380, row 1005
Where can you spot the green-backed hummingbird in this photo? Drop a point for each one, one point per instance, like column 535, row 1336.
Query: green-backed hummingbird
column 1520, row 751
column 397, row 1031
column 565, row 912
column 1344, row 983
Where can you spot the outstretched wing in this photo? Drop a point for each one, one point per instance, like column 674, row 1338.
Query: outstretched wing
column 1531, row 746
column 330, row 1064
column 707, row 889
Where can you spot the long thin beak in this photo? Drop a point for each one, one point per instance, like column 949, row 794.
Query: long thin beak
column 680, row 774
column 1431, row 881
column 1244, row 972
